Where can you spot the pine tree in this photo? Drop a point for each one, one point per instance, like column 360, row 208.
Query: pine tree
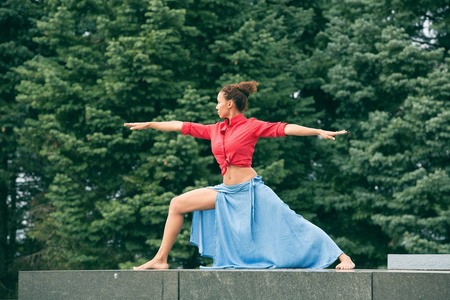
column 408, row 165
column 374, row 70
column 114, row 64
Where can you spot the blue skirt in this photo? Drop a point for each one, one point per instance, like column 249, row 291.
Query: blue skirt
column 252, row 228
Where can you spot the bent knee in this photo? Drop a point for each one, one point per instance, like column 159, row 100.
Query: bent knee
column 176, row 205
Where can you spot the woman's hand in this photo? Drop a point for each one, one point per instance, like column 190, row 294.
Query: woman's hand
column 330, row 134
column 134, row 126
column 294, row 129
column 165, row 126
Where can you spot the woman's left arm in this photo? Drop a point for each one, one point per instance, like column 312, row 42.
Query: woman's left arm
column 293, row 129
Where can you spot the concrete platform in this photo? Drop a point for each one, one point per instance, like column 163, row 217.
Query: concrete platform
column 235, row 284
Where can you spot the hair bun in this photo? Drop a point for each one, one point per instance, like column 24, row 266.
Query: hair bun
column 248, row 87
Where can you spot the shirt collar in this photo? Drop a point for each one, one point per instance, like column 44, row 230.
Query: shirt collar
column 236, row 120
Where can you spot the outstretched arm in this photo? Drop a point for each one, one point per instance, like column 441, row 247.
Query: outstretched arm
column 165, row 126
column 293, row 129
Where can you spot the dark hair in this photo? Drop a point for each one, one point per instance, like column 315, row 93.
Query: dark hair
column 239, row 93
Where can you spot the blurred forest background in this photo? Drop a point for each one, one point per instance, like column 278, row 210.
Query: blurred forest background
column 80, row 191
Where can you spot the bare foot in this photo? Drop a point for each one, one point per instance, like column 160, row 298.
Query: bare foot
column 152, row 264
column 346, row 262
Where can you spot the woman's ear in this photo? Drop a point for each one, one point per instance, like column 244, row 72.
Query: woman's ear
column 230, row 103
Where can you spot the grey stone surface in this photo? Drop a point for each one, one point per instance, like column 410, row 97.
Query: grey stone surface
column 419, row 261
column 235, row 284
column 275, row 284
column 411, row 285
column 88, row 285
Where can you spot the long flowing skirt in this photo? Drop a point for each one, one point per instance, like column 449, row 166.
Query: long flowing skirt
column 252, row 228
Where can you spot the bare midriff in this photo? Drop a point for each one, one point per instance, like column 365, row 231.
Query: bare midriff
column 236, row 175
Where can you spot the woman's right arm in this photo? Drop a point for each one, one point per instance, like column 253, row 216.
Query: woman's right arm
column 165, row 126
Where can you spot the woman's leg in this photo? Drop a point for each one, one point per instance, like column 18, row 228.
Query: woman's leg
column 201, row 199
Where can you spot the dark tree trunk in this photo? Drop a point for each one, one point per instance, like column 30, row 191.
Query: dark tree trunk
column 3, row 230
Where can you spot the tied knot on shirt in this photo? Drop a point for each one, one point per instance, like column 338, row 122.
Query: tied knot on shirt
column 224, row 166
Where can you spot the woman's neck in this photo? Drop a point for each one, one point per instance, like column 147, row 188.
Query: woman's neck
column 232, row 115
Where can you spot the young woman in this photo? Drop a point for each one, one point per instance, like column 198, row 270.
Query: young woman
column 242, row 223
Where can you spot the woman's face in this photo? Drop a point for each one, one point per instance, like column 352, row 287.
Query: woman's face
column 222, row 106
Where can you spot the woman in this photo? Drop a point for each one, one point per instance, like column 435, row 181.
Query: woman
column 242, row 223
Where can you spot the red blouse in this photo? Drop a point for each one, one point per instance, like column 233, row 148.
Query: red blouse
column 233, row 142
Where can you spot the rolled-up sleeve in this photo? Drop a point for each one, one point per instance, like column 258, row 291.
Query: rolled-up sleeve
column 197, row 130
column 268, row 129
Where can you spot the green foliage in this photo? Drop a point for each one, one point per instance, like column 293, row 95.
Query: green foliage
column 405, row 160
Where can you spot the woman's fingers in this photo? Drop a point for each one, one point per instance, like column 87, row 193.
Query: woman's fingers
column 134, row 126
column 330, row 134
column 338, row 132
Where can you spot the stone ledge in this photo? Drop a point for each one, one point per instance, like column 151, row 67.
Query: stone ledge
column 234, row 284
